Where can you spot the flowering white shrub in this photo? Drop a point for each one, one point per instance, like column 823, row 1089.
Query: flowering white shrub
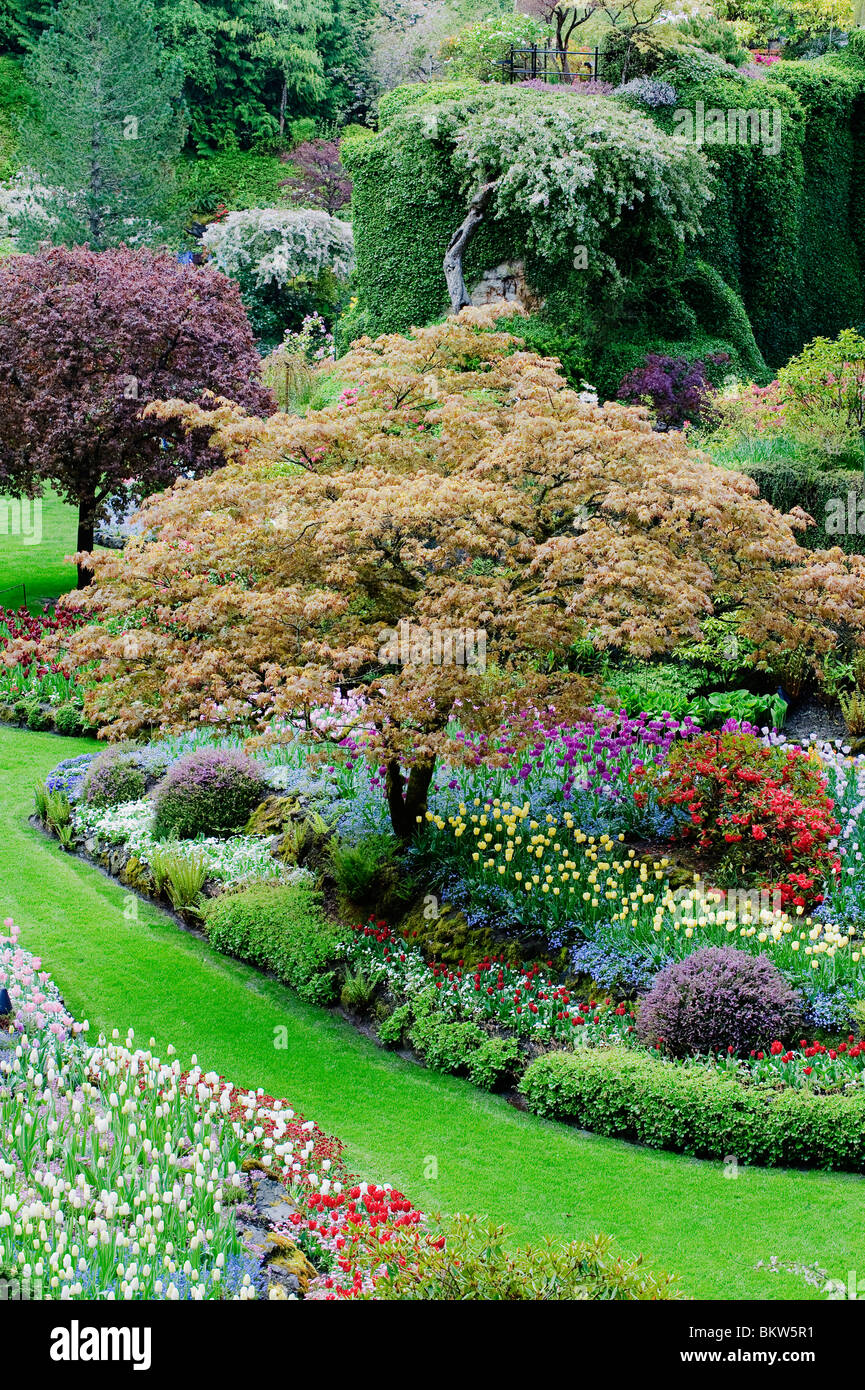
column 274, row 246
column 233, row 860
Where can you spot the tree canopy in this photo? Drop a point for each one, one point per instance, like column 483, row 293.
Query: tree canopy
column 86, row 340
column 458, row 484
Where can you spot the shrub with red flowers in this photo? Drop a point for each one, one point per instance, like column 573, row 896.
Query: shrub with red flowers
column 718, row 998
column 761, row 814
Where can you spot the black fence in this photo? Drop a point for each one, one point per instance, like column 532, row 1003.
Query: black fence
column 554, row 65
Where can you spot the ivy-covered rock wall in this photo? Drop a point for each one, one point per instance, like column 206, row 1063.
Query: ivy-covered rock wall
column 779, row 257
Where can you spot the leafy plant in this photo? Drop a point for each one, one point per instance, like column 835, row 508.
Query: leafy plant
column 853, row 709
column 676, row 390
column 358, row 991
column 185, row 876
column 280, row 928
column 207, row 792
column 367, row 870
column 468, row 1258
column 718, row 1000
column 714, row 709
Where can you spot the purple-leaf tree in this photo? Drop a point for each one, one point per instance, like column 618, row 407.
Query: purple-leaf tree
column 320, row 181
column 675, row 389
column 87, row 339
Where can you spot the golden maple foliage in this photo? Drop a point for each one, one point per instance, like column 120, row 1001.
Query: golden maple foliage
column 458, row 483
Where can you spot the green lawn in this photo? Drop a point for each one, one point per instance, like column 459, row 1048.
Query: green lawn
column 119, row 969
column 32, row 551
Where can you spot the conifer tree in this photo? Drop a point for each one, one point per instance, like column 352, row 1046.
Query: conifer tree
column 109, row 126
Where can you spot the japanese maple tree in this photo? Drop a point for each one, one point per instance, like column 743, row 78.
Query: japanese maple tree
column 87, row 339
column 320, row 180
column 458, row 484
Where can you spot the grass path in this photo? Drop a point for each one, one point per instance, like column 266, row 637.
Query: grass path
column 119, row 969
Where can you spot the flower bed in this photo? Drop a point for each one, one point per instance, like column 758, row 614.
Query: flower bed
column 82, row 1126
column 123, row 1176
column 37, row 689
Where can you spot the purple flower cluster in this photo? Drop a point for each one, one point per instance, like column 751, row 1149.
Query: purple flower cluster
column 676, row 388
column 592, row 756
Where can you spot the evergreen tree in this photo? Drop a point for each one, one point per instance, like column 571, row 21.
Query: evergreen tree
column 109, row 127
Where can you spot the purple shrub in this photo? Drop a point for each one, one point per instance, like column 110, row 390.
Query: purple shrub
column 717, row 1000
column 676, row 389
column 113, row 778
column 209, row 792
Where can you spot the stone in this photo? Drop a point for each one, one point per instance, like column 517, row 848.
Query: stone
column 505, row 284
column 272, row 1201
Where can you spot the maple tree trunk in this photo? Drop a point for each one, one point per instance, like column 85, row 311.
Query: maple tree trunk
column 86, row 526
column 453, row 261
column 407, row 799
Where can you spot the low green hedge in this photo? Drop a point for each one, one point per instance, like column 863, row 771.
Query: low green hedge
column 280, row 928
column 689, row 1109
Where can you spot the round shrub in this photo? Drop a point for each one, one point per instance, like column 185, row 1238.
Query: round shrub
column 69, row 719
column 113, row 777
column 717, row 999
column 209, row 792
column 38, row 718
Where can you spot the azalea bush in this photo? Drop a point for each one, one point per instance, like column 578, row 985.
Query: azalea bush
column 762, row 814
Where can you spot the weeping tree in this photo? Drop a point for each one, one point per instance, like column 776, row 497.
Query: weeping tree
column 586, row 182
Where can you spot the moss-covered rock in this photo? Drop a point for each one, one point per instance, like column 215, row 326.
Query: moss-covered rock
column 137, row 875
column 448, row 937
column 271, row 816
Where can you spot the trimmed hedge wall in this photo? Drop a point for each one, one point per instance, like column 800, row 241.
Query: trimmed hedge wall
column 783, row 249
column 789, row 487
column 689, row 1109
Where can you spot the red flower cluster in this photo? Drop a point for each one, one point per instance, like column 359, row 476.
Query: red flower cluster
column 761, row 811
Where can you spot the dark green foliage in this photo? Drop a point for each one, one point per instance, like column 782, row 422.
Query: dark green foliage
column 109, row 125
column 69, row 719
column 690, row 1109
column 799, row 484
column 782, row 254
column 367, row 873
column 236, row 178
column 280, row 928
